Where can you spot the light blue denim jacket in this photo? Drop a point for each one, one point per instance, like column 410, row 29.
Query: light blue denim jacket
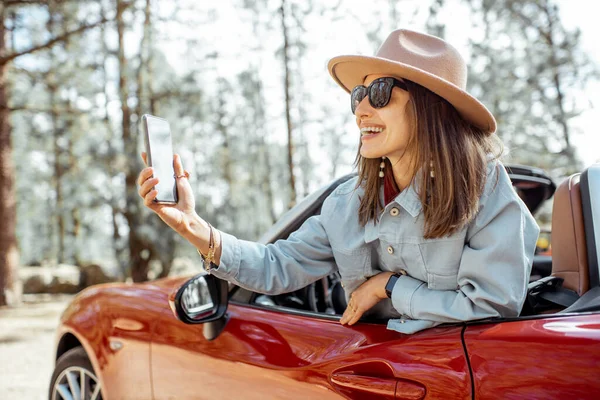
column 478, row 272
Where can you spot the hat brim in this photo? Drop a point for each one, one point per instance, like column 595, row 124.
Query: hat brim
column 351, row 71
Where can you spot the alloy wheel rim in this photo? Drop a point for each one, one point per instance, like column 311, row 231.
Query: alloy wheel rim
column 76, row 383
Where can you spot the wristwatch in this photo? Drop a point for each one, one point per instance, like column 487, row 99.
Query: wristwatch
column 390, row 284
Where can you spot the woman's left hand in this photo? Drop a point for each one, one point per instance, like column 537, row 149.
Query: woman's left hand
column 365, row 297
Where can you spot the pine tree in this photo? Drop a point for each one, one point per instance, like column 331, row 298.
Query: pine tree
column 9, row 254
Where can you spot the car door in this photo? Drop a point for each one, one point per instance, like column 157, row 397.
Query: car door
column 276, row 352
column 280, row 353
column 544, row 357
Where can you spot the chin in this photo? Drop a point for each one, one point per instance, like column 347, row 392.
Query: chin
column 370, row 153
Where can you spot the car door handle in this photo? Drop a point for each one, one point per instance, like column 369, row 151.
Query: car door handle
column 391, row 388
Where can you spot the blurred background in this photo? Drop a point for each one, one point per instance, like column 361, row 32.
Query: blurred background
column 254, row 114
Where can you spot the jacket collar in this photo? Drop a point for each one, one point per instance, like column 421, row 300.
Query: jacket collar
column 408, row 199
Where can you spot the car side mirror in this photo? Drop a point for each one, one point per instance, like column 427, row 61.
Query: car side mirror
column 201, row 299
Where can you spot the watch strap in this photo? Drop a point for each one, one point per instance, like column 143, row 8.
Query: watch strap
column 390, row 284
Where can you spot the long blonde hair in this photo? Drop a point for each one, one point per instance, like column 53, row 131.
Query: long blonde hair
column 457, row 151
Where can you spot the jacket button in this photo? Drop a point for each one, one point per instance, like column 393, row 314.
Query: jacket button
column 390, row 250
column 394, row 212
column 403, row 272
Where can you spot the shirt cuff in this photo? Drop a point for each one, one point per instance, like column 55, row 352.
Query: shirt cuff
column 402, row 294
column 229, row 264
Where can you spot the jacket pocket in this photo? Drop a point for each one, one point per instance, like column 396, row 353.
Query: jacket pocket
column 352, row 266
column 441, row 259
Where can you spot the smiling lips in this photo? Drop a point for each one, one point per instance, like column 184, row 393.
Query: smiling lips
column 369, row 131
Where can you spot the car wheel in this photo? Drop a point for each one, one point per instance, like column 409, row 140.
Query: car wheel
column 74, row 378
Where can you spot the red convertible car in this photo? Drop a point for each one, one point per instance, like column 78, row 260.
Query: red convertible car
column 202, row 338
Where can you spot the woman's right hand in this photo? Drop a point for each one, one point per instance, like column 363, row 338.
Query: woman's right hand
column 178, row 216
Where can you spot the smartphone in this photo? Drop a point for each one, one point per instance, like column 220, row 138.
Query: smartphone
column 159, row 156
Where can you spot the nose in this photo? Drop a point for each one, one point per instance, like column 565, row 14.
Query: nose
column 363, row 109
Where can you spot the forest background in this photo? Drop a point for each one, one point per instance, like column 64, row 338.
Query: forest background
column 254, row 114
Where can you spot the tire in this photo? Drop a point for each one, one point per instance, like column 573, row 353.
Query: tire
column 71, row 368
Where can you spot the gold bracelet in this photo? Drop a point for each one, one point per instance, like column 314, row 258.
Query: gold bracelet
column 210, row 257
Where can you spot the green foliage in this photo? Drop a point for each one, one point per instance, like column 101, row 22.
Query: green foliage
column 222, row 92
column 530, row 71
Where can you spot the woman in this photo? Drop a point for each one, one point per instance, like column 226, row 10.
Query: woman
column 430, row 231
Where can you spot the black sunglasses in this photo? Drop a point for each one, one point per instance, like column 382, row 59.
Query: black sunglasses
column 379, row 91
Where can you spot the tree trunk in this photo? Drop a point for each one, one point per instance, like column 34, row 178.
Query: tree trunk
column 266, row 183
column 140, row 251
column 57, row 132
column 10, row 292
column 562, row 118
column 73, row 246
column 118, row 247
column 143, row 57
column 75, row 216
column 288, row 118
column 58, row 173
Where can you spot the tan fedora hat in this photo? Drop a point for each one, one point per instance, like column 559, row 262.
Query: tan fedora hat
column 424, row 59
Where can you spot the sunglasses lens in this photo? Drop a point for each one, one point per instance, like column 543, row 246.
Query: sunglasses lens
column 358, row 94
column 380, row 93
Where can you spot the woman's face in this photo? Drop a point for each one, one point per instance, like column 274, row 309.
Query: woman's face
column 395, row 133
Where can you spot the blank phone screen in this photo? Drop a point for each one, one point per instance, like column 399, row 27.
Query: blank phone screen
column 160, row 148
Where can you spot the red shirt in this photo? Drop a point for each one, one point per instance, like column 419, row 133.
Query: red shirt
column 390, row 189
